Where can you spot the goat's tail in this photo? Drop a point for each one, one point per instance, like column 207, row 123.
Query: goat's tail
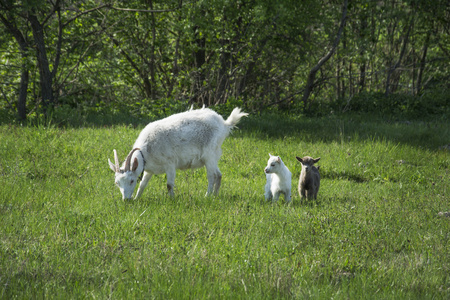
column 235, row 117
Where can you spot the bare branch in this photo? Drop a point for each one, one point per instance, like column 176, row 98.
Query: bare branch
column 84, row 13
column 147, row 10
column 143, row 10
column 54, row 9
column 312, row 74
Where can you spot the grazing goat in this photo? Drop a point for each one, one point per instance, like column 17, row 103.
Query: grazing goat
column 278, row 179
column 187, row 140
column 309, row 181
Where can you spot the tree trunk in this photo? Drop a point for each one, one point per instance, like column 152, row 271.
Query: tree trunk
column 224, row 58
column 152, row 53
column 199, row 77
column 223, row 78
column 312, row 74
column 24, row 75
column 362, row 66
column 422, row 62
column 242, row 82
column 338, row 79
column 402, row 53
column 147, row 86
column 46, row 78
column 175, row 67
column 22, row 101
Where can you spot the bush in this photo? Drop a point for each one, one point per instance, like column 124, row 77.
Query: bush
column 428, row 104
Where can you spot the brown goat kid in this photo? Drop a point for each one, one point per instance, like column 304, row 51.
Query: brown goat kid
column 309, row 181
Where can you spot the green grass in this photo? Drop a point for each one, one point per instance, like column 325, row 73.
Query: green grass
column 373, row 233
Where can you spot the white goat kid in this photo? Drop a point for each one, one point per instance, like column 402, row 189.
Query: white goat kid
column 278, row 179
column 187, row 140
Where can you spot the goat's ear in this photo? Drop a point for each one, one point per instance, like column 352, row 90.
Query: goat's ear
column 278, row 159
column 299, row 159
column 112, row 166
column 316, row 160
column 135, row 165
column 270, row 155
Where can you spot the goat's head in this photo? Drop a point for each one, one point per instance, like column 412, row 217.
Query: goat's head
column 127, row 176
column 273, row 164
column 307, row 162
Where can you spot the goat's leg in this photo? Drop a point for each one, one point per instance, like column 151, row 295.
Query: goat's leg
column 214, row 179
column 316, row 190
column 218, row 182
column 287, row 196
column 143, row 184
column 211, row 180
column 302, row 192
column 315, row 194
column 276, row 195
column 171, row 181
column 267, row 192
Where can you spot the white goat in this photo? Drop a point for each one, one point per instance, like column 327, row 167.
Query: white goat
column 309, row 181
column 187, row 140
column 278, row 179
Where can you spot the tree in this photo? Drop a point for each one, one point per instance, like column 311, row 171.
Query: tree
column 405, row 38
column 312, row 74
column 38, row 15
column 259, row 52
column 8, row 21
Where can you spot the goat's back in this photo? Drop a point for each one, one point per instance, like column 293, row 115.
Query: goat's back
column 185, row 140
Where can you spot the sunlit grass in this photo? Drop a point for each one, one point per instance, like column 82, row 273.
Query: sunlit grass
column 374, row 231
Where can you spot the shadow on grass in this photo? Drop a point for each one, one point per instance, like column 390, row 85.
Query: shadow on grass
column 343, row 176
column 431, row 134
column 323, row 201
column 77, row 118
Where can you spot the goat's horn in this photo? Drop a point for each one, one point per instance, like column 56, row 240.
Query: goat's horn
column 116, row 160
column 128, row 161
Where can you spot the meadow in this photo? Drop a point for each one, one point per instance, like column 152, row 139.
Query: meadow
column 373, row 233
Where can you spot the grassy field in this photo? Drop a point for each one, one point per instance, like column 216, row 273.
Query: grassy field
column 373, row 233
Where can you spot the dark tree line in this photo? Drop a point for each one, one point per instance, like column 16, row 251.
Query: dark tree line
column 258, row 52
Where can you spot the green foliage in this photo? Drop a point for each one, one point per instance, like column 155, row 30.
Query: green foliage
column 374, row 231
column 208, row 52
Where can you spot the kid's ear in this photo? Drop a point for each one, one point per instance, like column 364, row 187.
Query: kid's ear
column 278, row 159
column 316, row 160
column 299, row 159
